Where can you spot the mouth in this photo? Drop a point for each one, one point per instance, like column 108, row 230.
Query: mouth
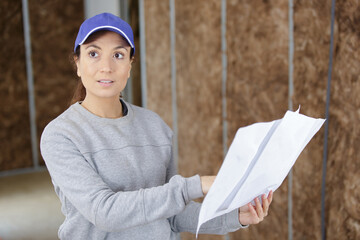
column 105, row 83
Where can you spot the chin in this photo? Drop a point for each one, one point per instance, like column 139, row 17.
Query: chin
column 108, row 96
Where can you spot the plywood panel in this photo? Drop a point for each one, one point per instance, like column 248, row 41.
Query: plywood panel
column 257, row 86
column 15, row 149
column 157, row 19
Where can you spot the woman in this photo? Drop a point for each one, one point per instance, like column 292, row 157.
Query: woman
column 111, row 162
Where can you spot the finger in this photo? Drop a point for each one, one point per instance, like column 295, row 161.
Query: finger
column 265, row 205
column 253, row 213
column 259, row 209
column 270, row 197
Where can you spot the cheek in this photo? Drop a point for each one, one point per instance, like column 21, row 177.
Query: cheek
column 86, row 71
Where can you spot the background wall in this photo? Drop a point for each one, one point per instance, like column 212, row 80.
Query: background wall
column 14, row 112
column 54, row 26
column 257, row 90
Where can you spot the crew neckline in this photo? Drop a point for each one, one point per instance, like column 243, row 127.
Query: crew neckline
column 89, row 115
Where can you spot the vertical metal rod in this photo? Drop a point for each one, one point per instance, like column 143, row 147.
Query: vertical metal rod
column 124, row 14
column 290, row 105
column 142, row 54
column 224, row 78
column 224, row 73
column 173, row 80
column 291, row 54
column 327, row 116
column 30, row 82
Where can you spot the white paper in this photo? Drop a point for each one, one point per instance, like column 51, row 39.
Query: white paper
column 259, row 158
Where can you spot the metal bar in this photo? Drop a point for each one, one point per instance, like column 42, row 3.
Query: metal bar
column 30, row 82
column 291, row 54
column 290, row 106
column 142, row 54
column 327, row 116
column 224, row 74
column 124, row 14
column 173, row 80
column 19, row 171
column 223, row 81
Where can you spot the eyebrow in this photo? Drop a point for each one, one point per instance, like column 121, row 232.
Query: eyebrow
column 95, row 46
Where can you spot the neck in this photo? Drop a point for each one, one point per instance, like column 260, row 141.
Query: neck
column 103, row 107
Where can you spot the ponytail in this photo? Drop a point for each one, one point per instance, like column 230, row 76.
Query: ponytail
column 80, row 91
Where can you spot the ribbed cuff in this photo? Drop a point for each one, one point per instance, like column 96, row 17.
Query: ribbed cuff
column 193, row 185
column 232, row 221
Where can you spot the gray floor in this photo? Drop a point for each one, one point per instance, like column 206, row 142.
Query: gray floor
column 29, row 207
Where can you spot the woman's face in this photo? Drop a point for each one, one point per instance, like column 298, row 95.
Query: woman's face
column 104, row 65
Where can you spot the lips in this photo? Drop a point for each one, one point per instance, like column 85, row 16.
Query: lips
column 105, row 83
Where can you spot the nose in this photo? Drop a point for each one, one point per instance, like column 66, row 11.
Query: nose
column 106, row 65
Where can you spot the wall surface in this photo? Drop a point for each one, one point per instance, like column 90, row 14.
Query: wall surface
column 54, row 25
column 257, row 86
column 311, row 57
column 53, row 28
column 157, row 18
column 343, row 188
column 257, row 90
column 14, row 110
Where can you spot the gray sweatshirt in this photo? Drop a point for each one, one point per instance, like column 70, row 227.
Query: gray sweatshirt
column 116, row 178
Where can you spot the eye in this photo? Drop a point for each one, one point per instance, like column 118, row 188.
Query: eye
column 119, row 55
column 93, row 54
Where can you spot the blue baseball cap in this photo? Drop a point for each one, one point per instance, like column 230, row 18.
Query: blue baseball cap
column 105, row 21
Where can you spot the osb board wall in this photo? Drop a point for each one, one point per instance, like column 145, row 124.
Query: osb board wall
column 15, row 149
column 54, row 25
column 257, row 86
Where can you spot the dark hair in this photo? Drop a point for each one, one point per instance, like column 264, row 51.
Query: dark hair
column 80, row 91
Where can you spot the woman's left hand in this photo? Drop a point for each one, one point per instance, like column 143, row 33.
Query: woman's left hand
column 250, row 214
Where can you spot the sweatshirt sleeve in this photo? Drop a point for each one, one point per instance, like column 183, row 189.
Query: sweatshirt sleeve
column 108, row 210
column 187, row 221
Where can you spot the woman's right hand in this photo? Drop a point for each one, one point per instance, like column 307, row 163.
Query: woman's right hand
column 206, row 182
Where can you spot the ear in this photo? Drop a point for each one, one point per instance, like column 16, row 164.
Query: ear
column 77, row 62
column 131, row 61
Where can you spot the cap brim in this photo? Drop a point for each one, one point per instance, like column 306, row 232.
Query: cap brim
column 110, row 28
